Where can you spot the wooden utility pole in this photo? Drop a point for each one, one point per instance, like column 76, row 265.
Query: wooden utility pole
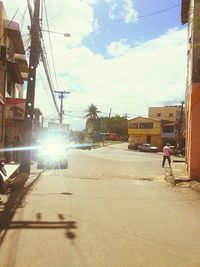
column 61, row 96
column 30, row 97
column 108, row 121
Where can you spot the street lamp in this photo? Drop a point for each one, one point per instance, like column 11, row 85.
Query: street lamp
column 62, row 33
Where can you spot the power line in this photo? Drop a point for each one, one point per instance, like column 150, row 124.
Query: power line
column 158, row 12
column 53, row 62
column 12, row 19
column 137, row 17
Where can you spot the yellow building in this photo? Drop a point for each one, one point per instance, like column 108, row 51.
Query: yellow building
column 145, row 130
column 169, row 113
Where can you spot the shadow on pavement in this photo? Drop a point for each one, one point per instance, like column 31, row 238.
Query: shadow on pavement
column 16, row 200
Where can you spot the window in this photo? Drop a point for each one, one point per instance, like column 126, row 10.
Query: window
column 159, row 115
column 171, row 115
column 168, row 129
column 133, row 125
column 146, row 125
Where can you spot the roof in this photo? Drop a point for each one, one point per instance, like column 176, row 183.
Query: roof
column 144, row 118
column 184, row 11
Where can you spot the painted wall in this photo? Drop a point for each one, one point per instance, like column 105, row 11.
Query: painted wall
column 165, row 112
column 140, row 135
column 193, row 93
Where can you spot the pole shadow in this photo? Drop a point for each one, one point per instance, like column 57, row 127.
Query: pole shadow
column 16, row 200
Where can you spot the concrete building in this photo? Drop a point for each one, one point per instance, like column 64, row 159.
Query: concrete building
column 145, row 130
column 168, row 113
column 13, row 73
column 190, row 13
column 173, row 123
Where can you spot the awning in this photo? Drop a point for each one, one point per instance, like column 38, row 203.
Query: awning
column 184, row 11
column 14, row 33
column 169, row 124
column 1, row 99
column 14, row 71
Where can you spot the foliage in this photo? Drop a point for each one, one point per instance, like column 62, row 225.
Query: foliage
column 92, row 112
column 117, row 124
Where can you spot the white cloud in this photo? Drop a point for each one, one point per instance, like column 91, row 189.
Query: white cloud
column 75, row 17
column 118, row 48
column 129, row 82
column 122, row 10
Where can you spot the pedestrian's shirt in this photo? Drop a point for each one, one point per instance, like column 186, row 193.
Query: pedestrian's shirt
column 166, row 151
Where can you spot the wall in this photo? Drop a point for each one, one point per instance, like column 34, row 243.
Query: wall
column 164, row 112
column 140, row 135
column 193, row 93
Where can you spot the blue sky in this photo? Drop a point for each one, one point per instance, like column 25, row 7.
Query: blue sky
column 112, row 59
column 143, row 29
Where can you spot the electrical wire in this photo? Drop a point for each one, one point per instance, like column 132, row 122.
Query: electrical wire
column 137, row 17
column 12, row 19
column 53, row 61
column 47, row 72
column 158, row 12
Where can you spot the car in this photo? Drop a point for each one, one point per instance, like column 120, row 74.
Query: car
column 53, row 151
column 85, row 146
column 148, row 148
column 134, row 146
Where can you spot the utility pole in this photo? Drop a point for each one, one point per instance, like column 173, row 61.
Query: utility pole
column 61, row 96
column 108, row 121
column 30, row 97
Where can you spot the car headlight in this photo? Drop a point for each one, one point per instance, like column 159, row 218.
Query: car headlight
column 53, row 148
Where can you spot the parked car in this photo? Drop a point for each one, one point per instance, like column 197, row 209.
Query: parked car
column 148, row 148
column 134, row 146
column 85, row 146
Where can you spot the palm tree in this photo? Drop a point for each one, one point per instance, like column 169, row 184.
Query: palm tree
column 92, row 112
column 92, row 115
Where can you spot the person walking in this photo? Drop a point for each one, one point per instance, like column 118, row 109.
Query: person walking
column 166, row 154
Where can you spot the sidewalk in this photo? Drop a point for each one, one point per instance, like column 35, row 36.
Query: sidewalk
column 15, row 179
column 178, row 174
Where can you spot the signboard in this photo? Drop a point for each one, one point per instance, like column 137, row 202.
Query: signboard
column 54, row 126
column 15, row 108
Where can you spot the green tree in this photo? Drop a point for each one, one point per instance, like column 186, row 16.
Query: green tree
column 92, row 112
column 92, row 124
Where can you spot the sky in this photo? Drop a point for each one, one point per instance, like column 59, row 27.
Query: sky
column 124, row 55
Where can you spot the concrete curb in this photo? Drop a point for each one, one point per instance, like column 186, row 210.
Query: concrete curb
column 176, row 179
column 195, row 186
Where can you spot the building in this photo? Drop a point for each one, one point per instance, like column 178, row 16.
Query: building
column 168, row 113
column 145, row 130
column 13, row 73
column 190, row 13
column 173, row 123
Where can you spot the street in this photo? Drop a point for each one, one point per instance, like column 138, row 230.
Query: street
column 111, row 207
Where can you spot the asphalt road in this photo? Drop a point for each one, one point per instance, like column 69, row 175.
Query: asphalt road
column 112, row 207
